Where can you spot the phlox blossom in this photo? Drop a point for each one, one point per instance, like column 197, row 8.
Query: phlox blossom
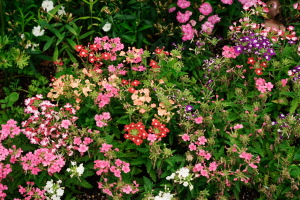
column 199, row 120
column 205, row 8
column 284, row 82
column 183, row 4
column 202, row 140
column 183, row 17
column 229, row 52
column 186, row 137
column 238, row 126
column 213, row 166
column 207, row 27
column 65, row 124
column 214, row 19
column 188, row 32
column 246, row 156
column 151, row 137
column 227, row 1
column 192, row 147
column 172, row 9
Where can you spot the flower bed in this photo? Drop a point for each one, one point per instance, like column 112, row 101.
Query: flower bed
column 130, row 123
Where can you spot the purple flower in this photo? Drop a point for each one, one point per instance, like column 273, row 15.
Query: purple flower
column 189, row 108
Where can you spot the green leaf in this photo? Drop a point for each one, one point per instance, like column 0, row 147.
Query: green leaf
column 86, row 34
column 48, row 44
column 85, row 184
column 55, row 55
column 123, row 120
column 125, row 17
column 12, row 98
column 73, row 59
column 56, row 32
column 144, row 27
column 72, row 43
column 294, row 105
column 71, row 29
column 297, row 155
column 127, row 27
column 148, row 185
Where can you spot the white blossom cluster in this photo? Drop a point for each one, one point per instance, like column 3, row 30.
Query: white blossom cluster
column 182, row 176
column 53, row 190
column 164, row 196
column 76, row 170
column 47, row 5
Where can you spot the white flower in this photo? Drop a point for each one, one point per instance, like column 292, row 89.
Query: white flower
column 60, row 192
column 73, row 163
column 106, row 27
column 61, row 11
column 171, row 176
column 183, row 172
column 185, row 184
column 80, row 169
column 47, row 5
column 36, row 31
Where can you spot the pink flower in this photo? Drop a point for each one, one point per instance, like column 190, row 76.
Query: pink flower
column 205, row 9
column 183, row 17
column 202, row 140
column 106, row 115
column 252, row 165
column 199, row 120
column 213, row 166
column 269, row 86
column 214, row 19
column 151, row 137
column 207, row 27
column 204, row 173
column 65, row 123
column 284, row 82
column 260, row 81
column 207, row 156
column 227, row 1
column 127, row 189
column 183, row 4
column 238, row 126
column 172, row 9
column 126, row 169
column 186, row 137
column 198, row 167
column 82, row 148
column 229, row 52
column 188, row 32
column 246, row 156
column 105, row 148
column 192, row 147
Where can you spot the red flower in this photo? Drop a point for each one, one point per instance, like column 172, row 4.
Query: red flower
column 158, row 50
column 153, row 64
column 135, row 83
column 251, row 61
column 125, row 82
column 83, row 53
column 78, row 48
column 264, row 64
column 106, row 56
column 258, row 71
column 94, row 47
column 92, row 59
column 131, row 90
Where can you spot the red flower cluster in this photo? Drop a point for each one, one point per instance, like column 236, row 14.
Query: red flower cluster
column 137, row 132
column 258, row 71
column 158, row 129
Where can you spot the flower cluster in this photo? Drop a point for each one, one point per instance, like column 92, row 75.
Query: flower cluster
column 31, row 192
column 182, row 176
column 42, row 159
column 136, row 132
column 76, row 170
column 252, row 44
column 229, row 52
column 101, row 120
column 262, row 85
column 53, row 190
column 295, row 74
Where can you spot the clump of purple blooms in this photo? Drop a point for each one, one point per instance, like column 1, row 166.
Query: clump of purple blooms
column 295, row 73
column 255, row 44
